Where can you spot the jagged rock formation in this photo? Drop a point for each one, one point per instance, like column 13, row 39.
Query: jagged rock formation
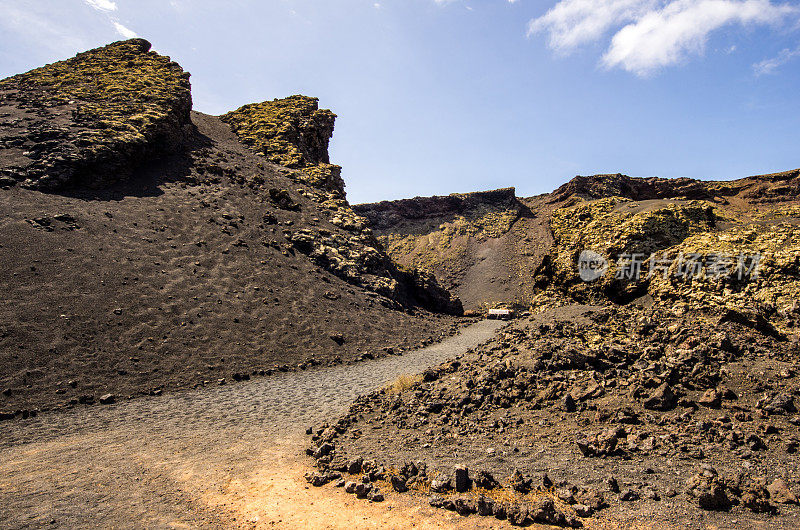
column 295, row 133
column 737, row 247
column 292, row 132
column 90, row 120
column 616, row 226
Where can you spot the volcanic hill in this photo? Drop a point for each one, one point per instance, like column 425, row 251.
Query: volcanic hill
column 146, row 247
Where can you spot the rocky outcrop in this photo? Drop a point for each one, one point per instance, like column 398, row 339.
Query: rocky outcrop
column 753, row 266
column 387, row 215
column 616, row 228
column 737, row 248
column 771, row 188
column 294, row 133
column 92, row 119
column 640, row 189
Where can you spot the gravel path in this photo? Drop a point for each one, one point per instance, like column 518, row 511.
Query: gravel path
column 215, row 457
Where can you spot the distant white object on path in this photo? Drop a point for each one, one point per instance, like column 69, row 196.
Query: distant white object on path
column 503, row 314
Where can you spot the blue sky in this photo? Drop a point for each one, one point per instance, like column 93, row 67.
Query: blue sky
column 435, row 97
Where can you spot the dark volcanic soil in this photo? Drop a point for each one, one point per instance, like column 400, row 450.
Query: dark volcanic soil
column 694, row 416
column 181, row 277
column 215, row 457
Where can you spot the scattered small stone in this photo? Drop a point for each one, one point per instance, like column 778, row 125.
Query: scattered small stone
column 399, row 484
column 484, row 506
column 441, row 484
column 663, row 399
column 436, row 501
column 519, row 482
column 708, row 490
column 354, row 465
column 711, row 398
column 363, row 490
column 375, row 496
column 779, row 492
column 485, row 480
column 629, row 495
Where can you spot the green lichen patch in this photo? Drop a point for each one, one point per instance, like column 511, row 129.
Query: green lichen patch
column 291, row 132
column 438, row 245
column 757, row 266
column 92, row 115
column 616, row 227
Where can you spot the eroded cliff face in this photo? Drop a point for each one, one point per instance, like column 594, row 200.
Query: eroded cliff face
column 484, row 246
column 294, row 133
column 91, row 120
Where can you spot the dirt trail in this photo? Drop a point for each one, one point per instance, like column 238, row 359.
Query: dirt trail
column 227, row 456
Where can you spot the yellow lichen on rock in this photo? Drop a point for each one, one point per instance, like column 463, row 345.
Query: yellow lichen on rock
column 97, row 114
column 615, row 227
column 758, row 264
column 449, row 241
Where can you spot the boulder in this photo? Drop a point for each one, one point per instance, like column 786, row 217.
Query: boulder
column 780, row 493
column 663, row 399
column 461, row 479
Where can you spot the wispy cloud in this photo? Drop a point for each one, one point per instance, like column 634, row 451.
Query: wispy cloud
column 650, row 34
column 572, row 23
column 102, row 5
column 107, row 7
column 770, row 66
column 122, row 30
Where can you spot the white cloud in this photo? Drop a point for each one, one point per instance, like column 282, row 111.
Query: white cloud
column 669, row 36
column 571, row 23
column 650, row 34
column 102, row 5
column 122, row 30
column 769, row 66
column 107, row 6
